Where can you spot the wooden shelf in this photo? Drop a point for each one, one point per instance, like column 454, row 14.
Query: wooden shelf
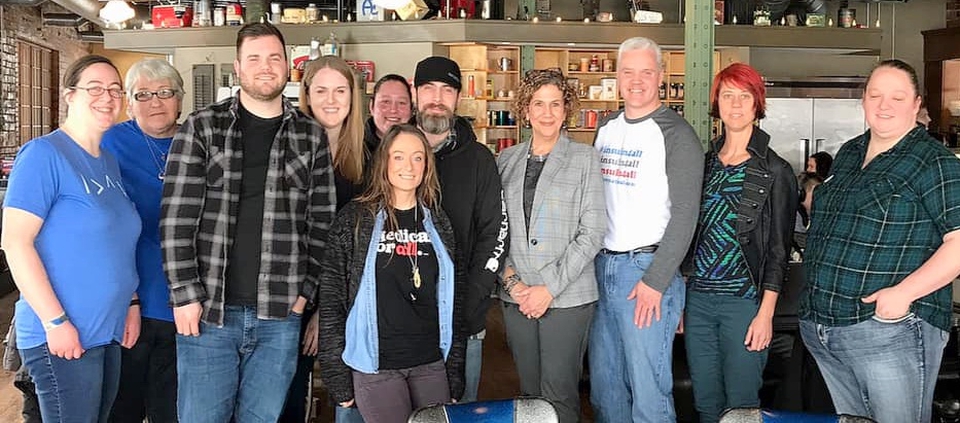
column 572, row 73
column 498, row 72
column 582, row 129
column 584, row 100
column 502, row 127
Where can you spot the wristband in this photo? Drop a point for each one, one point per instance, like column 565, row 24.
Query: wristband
column 509, row 282
column 56, row 321
column 135, row 302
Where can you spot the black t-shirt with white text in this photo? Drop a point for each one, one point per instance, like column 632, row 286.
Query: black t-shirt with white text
column 407, row 316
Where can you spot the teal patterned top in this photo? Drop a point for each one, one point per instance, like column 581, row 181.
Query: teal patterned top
column 718, row 263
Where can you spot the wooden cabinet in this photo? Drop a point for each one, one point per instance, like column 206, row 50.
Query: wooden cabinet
column 495, row 73
column 490, row 75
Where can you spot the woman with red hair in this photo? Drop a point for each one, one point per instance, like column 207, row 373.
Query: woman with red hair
column 738, row 257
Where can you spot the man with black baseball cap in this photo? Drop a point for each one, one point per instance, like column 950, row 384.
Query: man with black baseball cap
column 471, row 196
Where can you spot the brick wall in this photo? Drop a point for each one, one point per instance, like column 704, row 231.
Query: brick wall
column 953, row 13
column 23, row 23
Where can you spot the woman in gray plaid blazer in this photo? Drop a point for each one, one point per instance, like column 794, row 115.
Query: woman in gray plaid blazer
column 555, row 206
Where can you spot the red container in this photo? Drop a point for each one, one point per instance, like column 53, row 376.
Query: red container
column 591, row 119
column 175, row 16
column 469, row 7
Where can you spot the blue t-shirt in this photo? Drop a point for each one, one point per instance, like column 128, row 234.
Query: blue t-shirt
column 142, row 160
column 87, row 240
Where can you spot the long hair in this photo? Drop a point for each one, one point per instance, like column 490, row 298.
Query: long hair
column 349, row 156
column 379, row 193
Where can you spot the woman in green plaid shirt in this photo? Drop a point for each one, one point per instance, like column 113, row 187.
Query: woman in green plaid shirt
column 881, row 255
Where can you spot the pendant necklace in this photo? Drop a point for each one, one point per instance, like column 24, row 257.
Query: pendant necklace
column 158, row 157
column 415, row 261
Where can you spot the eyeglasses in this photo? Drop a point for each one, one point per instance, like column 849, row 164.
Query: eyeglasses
column 148, row 95
column 97, row 91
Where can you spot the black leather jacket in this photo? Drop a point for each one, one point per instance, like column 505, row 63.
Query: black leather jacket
column 767, row 212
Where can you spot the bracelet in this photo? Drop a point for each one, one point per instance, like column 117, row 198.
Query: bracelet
column 56, row 321
column 135, row 302
column 509, row 282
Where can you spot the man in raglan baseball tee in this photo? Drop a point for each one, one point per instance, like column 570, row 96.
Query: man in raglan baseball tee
column 652, row 164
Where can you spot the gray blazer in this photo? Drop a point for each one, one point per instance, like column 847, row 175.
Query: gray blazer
column 567, row 224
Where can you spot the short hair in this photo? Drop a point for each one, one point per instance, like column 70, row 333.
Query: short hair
column 392, row 77
column 257, row 30
column 152, row 69
column 746, row 78
column 72, row 75
column 535, row 79
column 824, row 162
column 899, row 65
column 640, row 43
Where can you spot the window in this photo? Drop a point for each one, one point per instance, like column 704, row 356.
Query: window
column 39, row 86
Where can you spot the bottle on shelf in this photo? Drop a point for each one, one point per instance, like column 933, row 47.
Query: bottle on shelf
column 595, row 63
column 471, row 86
column 488, row 89
column 663, row 91
column 680, row 90
column 331, row 47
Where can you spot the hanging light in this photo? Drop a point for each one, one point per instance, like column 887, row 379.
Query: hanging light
column 116, row 11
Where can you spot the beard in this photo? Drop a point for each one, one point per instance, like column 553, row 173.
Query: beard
column 436, row 124
column 259, row 91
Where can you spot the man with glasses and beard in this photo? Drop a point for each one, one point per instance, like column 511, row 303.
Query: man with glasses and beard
column 471, row 196
column 248, row 197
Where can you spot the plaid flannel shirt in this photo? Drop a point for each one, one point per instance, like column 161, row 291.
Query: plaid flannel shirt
column 201, row 194
column 872, row 227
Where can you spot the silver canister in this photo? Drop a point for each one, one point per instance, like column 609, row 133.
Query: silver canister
column 485, row 9
column 505, row 63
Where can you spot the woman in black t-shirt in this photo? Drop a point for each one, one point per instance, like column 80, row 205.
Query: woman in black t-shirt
column 389, row 333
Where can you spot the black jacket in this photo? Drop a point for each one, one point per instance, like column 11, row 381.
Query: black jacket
column 473, row 198
column 766, row 215
column 370, row 138
column 340, row 273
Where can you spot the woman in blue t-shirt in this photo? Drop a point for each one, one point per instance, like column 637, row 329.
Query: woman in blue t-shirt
column 70, row 234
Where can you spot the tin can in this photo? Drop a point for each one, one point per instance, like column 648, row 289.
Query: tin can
column 608, row 65
column 845, row 17
column 219, row 16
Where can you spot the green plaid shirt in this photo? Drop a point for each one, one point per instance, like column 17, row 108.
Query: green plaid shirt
column 872, row 227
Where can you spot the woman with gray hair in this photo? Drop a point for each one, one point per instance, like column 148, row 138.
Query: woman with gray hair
column 148, row 371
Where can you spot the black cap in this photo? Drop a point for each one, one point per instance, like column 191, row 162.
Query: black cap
column 439, row 69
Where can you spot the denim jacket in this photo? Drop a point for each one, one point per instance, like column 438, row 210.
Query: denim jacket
column 766, row 214
column 349, row 336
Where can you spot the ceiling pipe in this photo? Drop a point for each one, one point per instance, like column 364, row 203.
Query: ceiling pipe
column 31, row 3
column 69, row 20
column 89, row 9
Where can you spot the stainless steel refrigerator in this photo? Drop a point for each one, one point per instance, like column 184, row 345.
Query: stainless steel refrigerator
column 800, row 127
column 808, row 115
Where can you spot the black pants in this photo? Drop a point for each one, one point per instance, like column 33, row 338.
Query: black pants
column 31, row 404
column 295, row 409
column 148, row 376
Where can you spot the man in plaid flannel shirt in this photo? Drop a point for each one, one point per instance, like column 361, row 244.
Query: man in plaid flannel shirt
column 247, row 201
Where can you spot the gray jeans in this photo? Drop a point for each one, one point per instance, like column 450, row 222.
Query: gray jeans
column 549, row 354
column 390, row 396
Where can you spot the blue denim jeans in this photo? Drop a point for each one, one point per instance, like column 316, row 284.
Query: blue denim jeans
column 473, row 366
column 631, row 375
column 885, row 370
column 347, row 415
column 724, row 374
column 239, row 372
column 81, row 390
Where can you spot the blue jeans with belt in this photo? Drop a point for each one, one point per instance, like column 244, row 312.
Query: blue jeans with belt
column 631, row 374
column 878, row 368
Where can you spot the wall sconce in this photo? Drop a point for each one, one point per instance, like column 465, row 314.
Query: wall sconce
column 116, row 11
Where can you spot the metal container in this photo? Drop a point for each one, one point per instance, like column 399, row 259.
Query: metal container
column 486, row 9
column 506, row 63
column 846, row 17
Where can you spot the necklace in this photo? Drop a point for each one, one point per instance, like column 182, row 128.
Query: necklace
column 158, row 157
column 415, row 261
